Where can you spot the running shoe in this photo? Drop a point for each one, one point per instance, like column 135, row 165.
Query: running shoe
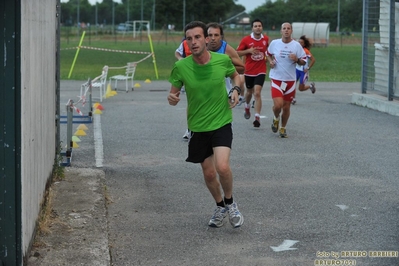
column 253, row 104
column 186, row 135
column 235, row 217
column 275, row 125
column 241, row 101
column 247, row 113
column 283, row 133
column 293, row 101
column 257, row 121
column 218, row 216
column 312, row 87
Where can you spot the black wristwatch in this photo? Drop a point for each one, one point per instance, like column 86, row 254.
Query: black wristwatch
column 235, row 88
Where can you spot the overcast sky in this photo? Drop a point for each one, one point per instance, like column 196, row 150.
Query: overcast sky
column 248, row 4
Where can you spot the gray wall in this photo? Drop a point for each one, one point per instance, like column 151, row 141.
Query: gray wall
column 38, row 92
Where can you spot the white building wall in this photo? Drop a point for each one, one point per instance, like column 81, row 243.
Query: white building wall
column 381, row 61
column 38, row 103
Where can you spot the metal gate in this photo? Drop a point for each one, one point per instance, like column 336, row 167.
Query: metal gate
column 380, row 68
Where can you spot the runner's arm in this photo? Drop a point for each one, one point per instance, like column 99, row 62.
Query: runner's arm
column 237, row 62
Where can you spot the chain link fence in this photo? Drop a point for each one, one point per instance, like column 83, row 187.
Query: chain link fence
column 380, row 68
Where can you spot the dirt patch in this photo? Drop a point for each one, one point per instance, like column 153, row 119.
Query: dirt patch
column 75, row 231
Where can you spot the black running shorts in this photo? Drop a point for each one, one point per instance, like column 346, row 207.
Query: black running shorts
column 201, row 144
column 250, row 81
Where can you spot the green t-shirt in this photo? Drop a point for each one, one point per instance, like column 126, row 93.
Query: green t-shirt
column 207, row 101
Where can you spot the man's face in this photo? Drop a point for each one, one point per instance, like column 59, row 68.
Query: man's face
column 215, row 39
column 286, row 30
column 257, row 28
column 196, row 40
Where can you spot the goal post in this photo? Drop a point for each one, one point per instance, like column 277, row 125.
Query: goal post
column 138, row 26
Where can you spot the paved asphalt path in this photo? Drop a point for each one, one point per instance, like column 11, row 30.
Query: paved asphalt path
column 329, row 188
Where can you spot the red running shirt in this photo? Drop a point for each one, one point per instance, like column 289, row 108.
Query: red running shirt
column 255, row 64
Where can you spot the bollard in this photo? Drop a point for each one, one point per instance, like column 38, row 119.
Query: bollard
column 90, row 99
column 69, row 131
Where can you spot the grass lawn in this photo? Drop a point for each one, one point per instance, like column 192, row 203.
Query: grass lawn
column 335, row 63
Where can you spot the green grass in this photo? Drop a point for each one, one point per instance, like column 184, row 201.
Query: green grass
column 335, row 63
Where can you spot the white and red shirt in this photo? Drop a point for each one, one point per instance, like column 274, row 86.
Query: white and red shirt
column 255, row 64
column 308, row 56
column 284, row 68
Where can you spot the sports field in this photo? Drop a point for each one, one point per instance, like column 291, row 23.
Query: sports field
column 340, row 61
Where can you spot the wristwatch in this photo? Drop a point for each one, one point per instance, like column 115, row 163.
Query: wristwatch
column 237, row 89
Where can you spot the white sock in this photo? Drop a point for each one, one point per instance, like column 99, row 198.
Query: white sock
column 276, row 118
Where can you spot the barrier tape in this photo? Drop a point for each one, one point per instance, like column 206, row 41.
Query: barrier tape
column 82, row 98
column 107, row 50
column 77, row 110
column 70, row 104
column 132, row 62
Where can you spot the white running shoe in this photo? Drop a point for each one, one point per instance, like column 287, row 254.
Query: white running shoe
column 235, row 216
column 187, row 135
column 217, row 217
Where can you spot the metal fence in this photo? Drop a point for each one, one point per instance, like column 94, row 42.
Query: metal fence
column 380, row 68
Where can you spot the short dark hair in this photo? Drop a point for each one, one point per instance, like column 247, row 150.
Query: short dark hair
column 195, row 24
column 256, row 20
column 215, row 25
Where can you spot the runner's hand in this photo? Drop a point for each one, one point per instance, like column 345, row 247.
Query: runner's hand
column 233, row 101
column 173, row 98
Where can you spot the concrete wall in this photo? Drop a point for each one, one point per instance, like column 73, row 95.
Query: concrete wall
column 38, row 89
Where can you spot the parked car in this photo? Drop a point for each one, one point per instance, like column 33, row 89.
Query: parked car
column 123, row 27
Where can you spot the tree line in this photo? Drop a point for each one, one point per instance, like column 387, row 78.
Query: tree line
column 275, row 13
column 170, row 12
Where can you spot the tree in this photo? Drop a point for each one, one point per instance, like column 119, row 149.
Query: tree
column 167, row 11
column 171, row 12
column 280, row 11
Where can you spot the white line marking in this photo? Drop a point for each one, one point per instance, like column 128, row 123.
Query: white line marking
column 98, row 141
column 342, row 207
column 286, row 245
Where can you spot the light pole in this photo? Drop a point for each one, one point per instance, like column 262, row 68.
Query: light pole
column 78, row 17
column 128, row 11
column 142, row 17
column 153, row 12
column 96, row 16
column 339, row 2
column 184, row 13
column 113, row 17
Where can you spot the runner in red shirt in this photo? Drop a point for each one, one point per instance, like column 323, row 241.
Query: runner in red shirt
column 254, row 48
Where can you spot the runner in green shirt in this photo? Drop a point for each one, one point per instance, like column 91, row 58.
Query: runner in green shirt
column 209, row 117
